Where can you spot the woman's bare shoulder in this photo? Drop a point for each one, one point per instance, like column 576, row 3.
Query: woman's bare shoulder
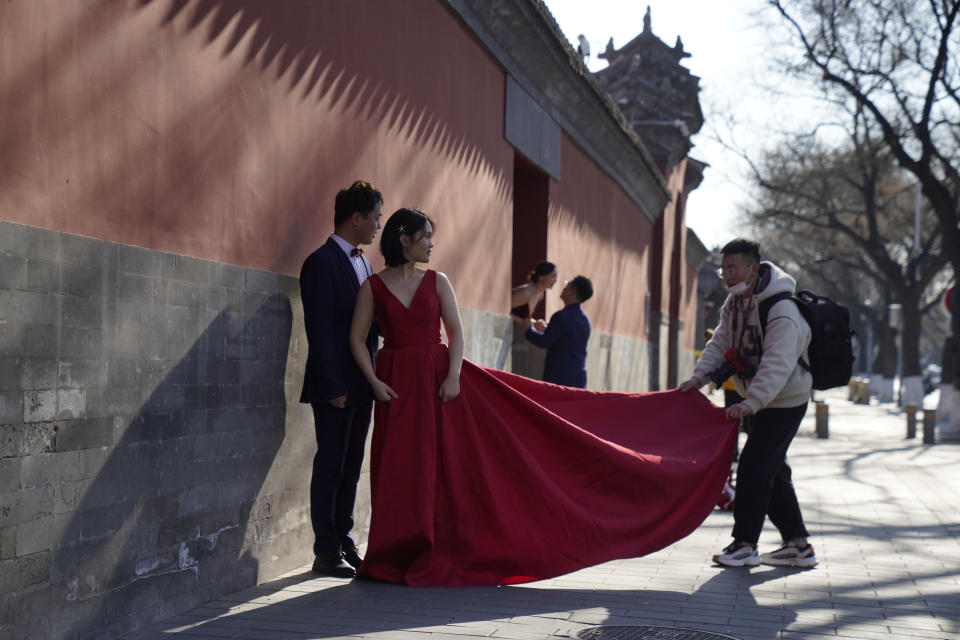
column 522, row 293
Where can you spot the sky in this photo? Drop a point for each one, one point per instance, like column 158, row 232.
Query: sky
column 729, row 52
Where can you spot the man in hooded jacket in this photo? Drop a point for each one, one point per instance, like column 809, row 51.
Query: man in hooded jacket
column 775, row 387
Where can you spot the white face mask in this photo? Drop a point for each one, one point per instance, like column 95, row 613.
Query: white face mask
column 740, row 288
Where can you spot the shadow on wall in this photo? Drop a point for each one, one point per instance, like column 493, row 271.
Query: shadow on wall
column 144, row 138
column 276, row 37
column 290, row 44
column 170, row 518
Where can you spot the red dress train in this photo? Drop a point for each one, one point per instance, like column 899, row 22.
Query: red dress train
column 518, row 480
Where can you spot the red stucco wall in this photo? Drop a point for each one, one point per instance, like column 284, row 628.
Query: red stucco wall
column 689, row 340
column 672, row 236
column 597, row 231
column 222, row 130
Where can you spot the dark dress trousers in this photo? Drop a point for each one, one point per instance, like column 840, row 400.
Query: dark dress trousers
column 566, row 343
column 328, row 287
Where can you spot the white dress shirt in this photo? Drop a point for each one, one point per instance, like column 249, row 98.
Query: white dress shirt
column 360, row 264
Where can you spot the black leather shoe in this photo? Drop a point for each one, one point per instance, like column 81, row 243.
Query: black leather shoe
column 352, row 556
column 333, row 566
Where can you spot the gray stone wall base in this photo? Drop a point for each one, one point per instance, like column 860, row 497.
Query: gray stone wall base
column 153, row 454
column 614, row 363
column 617, row 363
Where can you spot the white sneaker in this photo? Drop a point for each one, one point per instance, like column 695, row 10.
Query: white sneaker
column 738, row 554
column 790, row 555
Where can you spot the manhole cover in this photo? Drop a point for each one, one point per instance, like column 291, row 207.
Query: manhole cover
column 649, row 633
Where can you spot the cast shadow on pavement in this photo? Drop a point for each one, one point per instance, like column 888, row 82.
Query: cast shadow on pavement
column 739, row 602
column 817, row 602
column 297, row 607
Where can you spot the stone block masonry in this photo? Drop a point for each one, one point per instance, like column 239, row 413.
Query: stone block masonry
column 152, row 452
column 153, row 455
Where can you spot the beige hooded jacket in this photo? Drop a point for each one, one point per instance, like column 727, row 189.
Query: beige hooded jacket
column 780, row 380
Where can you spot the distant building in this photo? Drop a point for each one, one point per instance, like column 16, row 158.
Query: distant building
column 660, row 100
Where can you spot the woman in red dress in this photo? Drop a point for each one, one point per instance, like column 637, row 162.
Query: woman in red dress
column 482, row 477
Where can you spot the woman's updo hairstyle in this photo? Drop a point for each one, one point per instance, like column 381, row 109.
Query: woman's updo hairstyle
column 403, row 222
column 544, row 268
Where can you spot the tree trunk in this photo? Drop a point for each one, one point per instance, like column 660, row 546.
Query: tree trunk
column 869, row 337
column 886, row 361
column 910, row 337
column 865, row 347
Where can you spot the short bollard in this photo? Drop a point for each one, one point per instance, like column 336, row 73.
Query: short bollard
column 929, row 426
column 911, row 421
column 859, row 392
column 822, row 413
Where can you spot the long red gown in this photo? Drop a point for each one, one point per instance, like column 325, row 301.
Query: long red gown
column 518, row 480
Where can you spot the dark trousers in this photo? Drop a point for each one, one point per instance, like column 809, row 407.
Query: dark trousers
column 341, row 437
column 730, row 398
column 764, row 487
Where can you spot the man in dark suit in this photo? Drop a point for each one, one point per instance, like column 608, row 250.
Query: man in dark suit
column 333, row 385
column 565, row 337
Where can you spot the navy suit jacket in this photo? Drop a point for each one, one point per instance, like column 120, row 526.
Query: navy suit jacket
column 328, row 288
column 566, row 343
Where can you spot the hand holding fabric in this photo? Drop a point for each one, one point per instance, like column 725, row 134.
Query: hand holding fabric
column 739, row 410
column 690, row 385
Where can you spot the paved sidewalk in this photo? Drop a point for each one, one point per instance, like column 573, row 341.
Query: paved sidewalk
column 882, row 512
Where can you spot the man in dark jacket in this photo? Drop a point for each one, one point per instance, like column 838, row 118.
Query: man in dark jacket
column 333, row 385
column 565, row 337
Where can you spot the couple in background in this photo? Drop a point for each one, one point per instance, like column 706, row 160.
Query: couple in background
column 565, row 337
column 478, row 476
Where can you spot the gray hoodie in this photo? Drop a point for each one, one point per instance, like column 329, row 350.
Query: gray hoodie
column 780, row 380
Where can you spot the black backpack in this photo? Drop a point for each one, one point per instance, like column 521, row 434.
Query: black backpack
column 831, row 344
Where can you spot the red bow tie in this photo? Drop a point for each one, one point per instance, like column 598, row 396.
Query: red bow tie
column 357, row 251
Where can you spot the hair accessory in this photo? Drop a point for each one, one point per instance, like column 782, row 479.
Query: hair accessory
column 401, row 229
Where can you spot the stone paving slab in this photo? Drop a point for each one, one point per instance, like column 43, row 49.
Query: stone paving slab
column 883, row 517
